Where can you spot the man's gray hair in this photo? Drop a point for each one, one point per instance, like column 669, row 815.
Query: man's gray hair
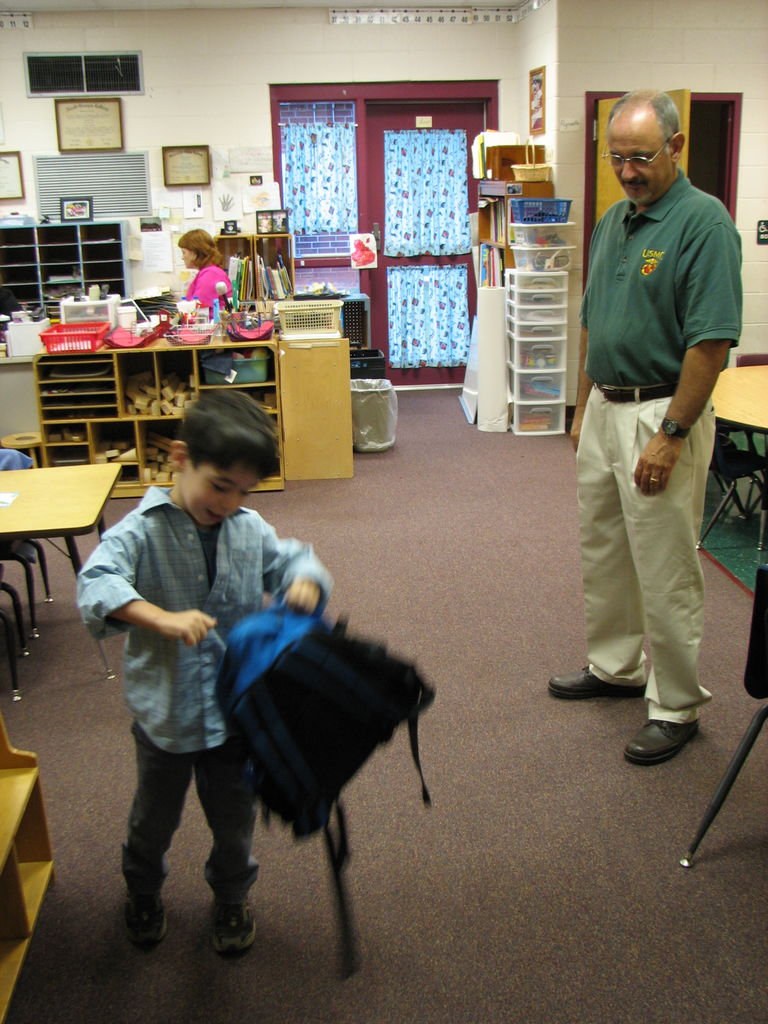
column 663, row 106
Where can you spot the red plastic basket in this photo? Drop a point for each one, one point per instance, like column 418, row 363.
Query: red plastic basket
column 75, row 337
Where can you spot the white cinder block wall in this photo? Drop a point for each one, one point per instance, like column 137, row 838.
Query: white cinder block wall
column 207, row 76
column 701, row 45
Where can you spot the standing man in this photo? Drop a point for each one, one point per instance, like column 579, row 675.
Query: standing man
column 661, row 309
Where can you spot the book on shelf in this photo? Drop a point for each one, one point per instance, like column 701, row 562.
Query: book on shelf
column 274, row 282
column 491, row 266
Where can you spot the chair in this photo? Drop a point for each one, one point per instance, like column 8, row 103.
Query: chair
column 10, row 641
column 752, row 359
column 25, row 551
column 11, row 650
column 729, row 465
column 756, row 685
column 18, row 615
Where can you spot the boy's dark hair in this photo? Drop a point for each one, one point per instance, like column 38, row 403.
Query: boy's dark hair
column 227, row 427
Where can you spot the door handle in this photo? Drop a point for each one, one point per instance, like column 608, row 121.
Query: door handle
column 376, row 232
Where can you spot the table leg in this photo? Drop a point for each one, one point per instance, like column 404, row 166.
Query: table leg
column 74, row 557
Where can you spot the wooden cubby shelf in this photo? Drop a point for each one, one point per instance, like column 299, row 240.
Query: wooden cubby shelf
column 26, row 862
column 124, row 405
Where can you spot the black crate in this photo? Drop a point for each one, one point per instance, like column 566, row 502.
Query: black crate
column 366, row 362
column 355, row 320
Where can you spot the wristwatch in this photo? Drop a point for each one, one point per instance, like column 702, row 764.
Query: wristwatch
column 673, row 429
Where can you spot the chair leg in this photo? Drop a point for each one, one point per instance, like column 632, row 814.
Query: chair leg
column 29, row 576
column 42, row 561
column 10, row 644
column 18, row 614
column 719, row 510
column 727, row 781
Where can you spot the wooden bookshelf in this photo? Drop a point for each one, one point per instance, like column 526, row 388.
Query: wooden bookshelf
column 26, row 862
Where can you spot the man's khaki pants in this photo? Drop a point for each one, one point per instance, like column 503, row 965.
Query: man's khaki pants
column 641, row 569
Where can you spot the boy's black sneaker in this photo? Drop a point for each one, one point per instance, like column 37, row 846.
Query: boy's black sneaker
column 234, row 928
column 145, row 918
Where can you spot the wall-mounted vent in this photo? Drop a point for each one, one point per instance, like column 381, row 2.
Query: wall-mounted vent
column 71, row 74
column 118, row 183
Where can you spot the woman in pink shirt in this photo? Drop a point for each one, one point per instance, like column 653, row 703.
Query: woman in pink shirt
column 199, row 251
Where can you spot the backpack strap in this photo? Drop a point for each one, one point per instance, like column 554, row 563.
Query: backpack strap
column 338, row 853
column 413, row 736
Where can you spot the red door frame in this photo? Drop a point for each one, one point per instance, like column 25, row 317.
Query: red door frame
column 382, row 92
column 389, row 92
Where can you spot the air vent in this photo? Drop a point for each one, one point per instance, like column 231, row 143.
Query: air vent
column 117, row 182
column 71, row 74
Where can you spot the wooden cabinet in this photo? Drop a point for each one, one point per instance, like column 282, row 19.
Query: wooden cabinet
column 317, row 409
column 26, row 863
column 264, row 269
column 45, row 263
column 124, row 405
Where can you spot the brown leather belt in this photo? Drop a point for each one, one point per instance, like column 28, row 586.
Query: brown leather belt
column 644, row 394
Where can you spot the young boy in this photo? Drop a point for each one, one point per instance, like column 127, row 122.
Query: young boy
column 176, row 574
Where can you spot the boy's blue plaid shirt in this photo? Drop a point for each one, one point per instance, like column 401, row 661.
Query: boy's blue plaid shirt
column 155, row 554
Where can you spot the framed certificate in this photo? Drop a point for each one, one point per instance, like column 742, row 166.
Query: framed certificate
column 11, row 180
column 186, row 165
column 89, row 125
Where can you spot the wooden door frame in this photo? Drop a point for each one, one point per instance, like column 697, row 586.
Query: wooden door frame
column 591, row 100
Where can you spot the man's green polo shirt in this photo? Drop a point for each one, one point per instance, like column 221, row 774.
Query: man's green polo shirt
column 660, row 282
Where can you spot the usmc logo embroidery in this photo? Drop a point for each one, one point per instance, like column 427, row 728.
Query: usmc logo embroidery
column 652, row 258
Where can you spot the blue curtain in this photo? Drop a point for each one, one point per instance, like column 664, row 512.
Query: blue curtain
column 320, row 178
column 425, row 188
column 428, row 316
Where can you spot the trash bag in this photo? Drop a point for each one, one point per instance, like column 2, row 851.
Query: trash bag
column 374, row 415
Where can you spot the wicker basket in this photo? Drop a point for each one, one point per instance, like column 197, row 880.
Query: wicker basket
column 530, row 170
column 321, row 319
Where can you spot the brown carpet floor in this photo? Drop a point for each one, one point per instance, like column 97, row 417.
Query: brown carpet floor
column 542, row 887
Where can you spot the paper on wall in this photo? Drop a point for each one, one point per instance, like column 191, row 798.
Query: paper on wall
column 193, row 203
column 157, row 252
column 261, row 197
column 253, row 159
column 226, row 199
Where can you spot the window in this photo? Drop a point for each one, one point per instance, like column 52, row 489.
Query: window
column 71, row 74
column 330, row 243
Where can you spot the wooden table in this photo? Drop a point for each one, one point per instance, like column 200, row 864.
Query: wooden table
column 741, row 398
column 63, row 501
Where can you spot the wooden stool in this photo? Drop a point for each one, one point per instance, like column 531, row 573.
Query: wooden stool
column 29, row 442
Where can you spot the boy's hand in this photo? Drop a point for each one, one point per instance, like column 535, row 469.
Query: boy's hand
column 191, row 626
column 303, row 595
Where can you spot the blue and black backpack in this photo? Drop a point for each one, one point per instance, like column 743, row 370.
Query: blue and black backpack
column 313, row 703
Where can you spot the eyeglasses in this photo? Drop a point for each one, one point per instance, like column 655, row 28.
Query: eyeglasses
column 637, row 163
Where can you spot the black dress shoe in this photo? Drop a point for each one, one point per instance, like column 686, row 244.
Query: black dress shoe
column 582, row 685
column 657, row 741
